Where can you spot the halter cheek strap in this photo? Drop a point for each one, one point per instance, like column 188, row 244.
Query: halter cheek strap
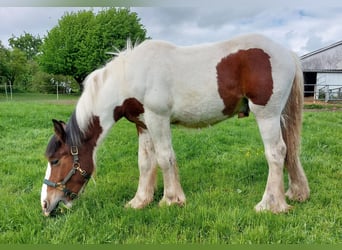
column 76, row 166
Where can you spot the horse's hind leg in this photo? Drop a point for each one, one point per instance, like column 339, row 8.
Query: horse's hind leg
column 298, row 183
column 275, row 151
column 148, row 171
column 159, row 128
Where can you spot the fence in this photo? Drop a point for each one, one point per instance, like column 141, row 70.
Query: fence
column 326, row 92
column 8, row 90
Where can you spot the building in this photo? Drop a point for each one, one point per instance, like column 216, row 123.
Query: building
column 323, row 72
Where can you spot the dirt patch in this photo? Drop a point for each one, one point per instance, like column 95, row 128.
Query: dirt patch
column 62, row 102
column 323, row 110
column 319, row 106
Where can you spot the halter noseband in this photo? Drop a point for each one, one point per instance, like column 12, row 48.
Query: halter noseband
column 76, row 166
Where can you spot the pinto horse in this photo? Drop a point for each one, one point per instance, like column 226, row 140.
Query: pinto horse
column 156, row 84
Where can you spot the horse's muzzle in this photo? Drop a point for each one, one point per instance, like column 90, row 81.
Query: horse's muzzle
column 52, row 209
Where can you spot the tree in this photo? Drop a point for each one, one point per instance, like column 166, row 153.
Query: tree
column 17, row 64
column 13, row 67
column 4, row 55
column 78, row 44
column 27, row 43
column 17, row 68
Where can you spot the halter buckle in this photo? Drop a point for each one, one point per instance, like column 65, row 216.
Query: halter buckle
column 74, row 150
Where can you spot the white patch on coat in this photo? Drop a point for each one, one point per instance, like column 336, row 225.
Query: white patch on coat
column 43, row 194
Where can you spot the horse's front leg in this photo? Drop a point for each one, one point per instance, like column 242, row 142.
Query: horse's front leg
column 159, row 127
column 148, row 171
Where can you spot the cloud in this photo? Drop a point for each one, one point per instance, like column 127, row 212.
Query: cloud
column 302, row 26
column 34, row 20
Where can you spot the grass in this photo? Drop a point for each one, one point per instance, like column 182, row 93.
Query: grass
column 223, row 173
column 39, row 98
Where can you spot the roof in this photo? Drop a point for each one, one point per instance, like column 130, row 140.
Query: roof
column 321, row 50
column 326, row 59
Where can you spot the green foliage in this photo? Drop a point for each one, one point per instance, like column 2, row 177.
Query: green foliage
column 223, row 172
column 16, row 69
column 27, row 43
column 16, row 65
column 4, row 55
column 78, row 44
column 75, row 47
column 62, row 45
column 41, row 83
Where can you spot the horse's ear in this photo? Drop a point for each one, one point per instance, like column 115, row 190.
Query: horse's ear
column 59, row 127
column 63, row 124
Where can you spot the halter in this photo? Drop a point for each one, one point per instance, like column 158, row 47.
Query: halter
column 76, row 166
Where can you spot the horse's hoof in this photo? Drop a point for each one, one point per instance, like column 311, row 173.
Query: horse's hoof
column 137, row 203
column 281, row 207
column 298, row 194
column 179, row 201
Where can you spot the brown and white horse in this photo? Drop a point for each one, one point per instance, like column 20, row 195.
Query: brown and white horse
column 156, row 84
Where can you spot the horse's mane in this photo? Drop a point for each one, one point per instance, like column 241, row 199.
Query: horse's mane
column 74, row 137
column 74, row 134
column 129, row 47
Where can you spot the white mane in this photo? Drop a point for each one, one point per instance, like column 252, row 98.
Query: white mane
column 94, row 82
column 129, row 47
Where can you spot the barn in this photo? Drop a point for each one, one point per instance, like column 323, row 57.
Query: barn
column 323, row 73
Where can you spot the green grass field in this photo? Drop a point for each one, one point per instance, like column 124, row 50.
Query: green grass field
column 223, row 172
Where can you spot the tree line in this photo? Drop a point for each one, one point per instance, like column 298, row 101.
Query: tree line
column 77, row 45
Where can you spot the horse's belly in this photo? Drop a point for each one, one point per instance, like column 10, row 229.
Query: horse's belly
column 201, row 116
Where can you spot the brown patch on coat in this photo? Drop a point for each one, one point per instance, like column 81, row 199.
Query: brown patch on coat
column 131, row 108
column 246, row 73
column 93, row 132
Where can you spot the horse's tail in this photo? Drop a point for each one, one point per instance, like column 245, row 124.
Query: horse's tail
column 292, row 116
column 291, row 131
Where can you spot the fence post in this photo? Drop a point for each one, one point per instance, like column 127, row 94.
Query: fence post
column 326, row 93
column 6, row 90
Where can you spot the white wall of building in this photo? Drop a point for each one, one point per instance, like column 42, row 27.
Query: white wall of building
column 329, row 79
column 329, row 86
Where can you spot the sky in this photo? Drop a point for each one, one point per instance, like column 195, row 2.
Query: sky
column 302, row 25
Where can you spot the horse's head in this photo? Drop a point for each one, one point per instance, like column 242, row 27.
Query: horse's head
column 70, row 163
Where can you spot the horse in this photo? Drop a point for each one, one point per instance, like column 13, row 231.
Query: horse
column 155, row 84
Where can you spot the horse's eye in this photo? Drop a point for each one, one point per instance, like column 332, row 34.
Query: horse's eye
column 54, row 162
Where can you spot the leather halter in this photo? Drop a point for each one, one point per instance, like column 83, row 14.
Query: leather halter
column 76, row 166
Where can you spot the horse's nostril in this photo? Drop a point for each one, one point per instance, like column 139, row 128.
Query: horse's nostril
column 45, row 204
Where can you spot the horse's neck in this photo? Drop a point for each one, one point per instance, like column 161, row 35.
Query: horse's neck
column 99, row 98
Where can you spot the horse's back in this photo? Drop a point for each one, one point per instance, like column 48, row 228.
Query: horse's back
column 196, row 66
column 183, row 82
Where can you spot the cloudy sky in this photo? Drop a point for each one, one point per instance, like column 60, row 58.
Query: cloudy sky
column 302, row 25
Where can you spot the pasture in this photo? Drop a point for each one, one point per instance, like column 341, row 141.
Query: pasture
column 223, row 172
